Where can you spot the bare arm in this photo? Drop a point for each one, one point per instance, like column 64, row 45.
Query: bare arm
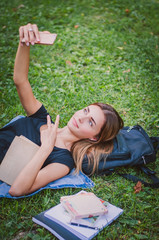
column 21, row 68
column 32, row 177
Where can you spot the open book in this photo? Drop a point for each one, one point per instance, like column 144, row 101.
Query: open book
column 20, row 152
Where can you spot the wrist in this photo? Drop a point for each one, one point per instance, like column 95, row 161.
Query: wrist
column 24, row 45
column 46, row 150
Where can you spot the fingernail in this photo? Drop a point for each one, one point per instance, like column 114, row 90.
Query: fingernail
column 27, row 44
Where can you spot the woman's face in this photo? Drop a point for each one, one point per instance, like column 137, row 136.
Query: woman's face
column 87, row 123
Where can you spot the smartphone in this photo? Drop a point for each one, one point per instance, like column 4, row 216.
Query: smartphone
column 46, row 38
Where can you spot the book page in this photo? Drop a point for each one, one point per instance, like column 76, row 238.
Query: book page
column 20, row 152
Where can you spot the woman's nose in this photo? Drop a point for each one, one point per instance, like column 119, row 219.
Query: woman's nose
column 82, row 119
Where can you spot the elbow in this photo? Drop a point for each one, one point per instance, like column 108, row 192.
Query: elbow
column 18, row 79
column 16, row 192
column 15, row 79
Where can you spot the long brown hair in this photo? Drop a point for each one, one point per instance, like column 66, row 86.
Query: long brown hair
column 104, row 144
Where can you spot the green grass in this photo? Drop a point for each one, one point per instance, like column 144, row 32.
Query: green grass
column 112, row 56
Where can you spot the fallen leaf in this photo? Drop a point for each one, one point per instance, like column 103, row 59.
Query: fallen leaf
column 127, row 10
column 127, row 71
column 138, row 187
column 76, row 26
column 21, row 6
column 69, row 62
column 121, row 48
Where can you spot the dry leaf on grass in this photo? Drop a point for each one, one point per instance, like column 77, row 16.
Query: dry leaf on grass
column 69, row 62
column 127, row 10
column 138, row 187
column 127, row 71
column 121, row 48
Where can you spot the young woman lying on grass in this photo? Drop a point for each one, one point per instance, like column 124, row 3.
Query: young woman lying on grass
column 89, row 131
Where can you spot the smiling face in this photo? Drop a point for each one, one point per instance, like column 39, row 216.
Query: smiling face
column 87, row 122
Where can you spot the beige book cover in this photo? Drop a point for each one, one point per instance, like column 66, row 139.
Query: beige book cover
column 83, row 205
column 18, row 155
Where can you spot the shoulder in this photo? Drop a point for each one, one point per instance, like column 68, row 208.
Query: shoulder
column 41, row 113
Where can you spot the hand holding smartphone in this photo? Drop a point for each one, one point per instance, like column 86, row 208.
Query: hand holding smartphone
column 45, row 38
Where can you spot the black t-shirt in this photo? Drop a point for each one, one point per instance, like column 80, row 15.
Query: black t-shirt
column 30, row 128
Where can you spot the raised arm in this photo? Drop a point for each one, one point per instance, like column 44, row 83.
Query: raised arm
column 29, row 33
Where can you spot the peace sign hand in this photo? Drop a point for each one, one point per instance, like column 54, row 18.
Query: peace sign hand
column 48, row 135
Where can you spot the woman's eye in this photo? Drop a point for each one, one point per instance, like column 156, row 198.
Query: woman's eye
column 90, row 123
column 85, row 110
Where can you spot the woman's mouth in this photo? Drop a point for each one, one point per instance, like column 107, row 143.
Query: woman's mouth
column 75, row 123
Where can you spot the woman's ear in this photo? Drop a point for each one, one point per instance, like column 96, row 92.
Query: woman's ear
column 94, row 139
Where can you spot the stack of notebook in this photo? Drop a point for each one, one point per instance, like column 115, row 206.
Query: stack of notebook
column 80, row 216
